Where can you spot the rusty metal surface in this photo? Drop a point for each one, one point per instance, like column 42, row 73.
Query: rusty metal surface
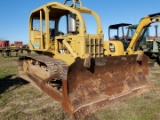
column 46, row 88
column 55, row 69
column 86, row 90
column 39, row 82
column 108, row 80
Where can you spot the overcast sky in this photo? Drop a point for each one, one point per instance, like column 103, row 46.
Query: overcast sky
column 14, row 14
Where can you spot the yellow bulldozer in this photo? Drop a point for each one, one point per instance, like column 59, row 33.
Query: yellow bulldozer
column 74, row 67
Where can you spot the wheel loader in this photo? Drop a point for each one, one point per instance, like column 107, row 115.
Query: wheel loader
column 72, row 67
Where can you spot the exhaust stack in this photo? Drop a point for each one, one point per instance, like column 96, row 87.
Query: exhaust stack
column 72, row 22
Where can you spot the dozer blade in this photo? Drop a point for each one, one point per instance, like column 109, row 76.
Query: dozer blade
column 108, row 80
column 86, row 90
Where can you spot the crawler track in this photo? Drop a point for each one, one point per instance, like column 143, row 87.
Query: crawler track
column 48, row 74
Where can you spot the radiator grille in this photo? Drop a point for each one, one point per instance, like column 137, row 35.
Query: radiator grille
column 94, row 47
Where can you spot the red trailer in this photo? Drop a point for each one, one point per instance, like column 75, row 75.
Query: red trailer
column 18, row 43
column 4, row 43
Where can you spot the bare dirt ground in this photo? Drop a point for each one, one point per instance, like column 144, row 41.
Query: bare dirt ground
column 21, row 100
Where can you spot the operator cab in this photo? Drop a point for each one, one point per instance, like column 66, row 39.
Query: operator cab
column 52, row 25
column 58, row 28
column 117, row 31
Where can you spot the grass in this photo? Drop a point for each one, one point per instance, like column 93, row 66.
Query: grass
column 143, row 107
column 19, row 100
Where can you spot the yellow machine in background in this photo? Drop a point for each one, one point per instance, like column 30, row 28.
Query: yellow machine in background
column 72, row 66
column 116, row 47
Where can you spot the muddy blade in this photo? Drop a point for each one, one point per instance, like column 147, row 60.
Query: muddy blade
column 108, row 80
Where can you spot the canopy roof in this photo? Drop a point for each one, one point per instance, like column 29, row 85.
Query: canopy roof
column 116, row 26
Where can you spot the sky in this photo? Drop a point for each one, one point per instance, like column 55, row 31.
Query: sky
column 14, row 14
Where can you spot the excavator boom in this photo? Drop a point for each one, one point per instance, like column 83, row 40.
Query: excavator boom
column 144, row 22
